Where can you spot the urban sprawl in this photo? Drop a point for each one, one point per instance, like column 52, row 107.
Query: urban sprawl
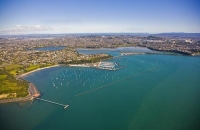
column 22, row 49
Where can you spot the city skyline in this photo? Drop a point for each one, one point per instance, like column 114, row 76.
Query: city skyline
column 89, row 16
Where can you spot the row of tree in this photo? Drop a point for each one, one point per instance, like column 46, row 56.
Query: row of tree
column 83, row 61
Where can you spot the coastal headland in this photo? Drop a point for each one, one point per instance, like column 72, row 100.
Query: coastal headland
column 32, row 89
column 33, row 92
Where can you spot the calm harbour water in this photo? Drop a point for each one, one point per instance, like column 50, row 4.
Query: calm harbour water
column 163, row 93
column 50, row 48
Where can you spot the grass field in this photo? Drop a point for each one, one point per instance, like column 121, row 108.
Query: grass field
column 13, row 67
column 13, row 72
column 6, row 85
column 32, row 67
column 9, row 85
column 2, row 77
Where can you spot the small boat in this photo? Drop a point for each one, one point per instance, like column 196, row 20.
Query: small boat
column 66, row 106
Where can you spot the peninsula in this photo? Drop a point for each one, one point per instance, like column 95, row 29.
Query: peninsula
column 15, row 89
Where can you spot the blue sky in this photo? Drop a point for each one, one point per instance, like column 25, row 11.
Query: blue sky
column 99, row 16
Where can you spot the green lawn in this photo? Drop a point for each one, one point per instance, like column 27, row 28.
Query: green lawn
column 32, row 67
column 2, row 77
column 13, row 72
column 9, row 85
column 13, row 67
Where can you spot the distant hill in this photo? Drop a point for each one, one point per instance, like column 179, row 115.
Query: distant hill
column 177, row 34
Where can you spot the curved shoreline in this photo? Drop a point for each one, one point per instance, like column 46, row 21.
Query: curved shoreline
column 24, row 74
column 32, row 89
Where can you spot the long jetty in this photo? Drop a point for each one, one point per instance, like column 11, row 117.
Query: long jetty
column 65, row 106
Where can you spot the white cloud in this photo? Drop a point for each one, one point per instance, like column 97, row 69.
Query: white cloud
column 37, row 26
column 20, row 29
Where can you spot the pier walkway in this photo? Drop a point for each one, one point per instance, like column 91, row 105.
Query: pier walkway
column 65, row 106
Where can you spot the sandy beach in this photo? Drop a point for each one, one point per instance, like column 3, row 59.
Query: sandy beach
column 22, row 75
column 81, row 65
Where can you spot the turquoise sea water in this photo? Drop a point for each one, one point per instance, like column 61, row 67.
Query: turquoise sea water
column 163, row 92
column 114, row 51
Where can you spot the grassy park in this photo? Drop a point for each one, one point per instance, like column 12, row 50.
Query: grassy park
column 2, row 77
column 10, row 87
column 14, row 68
column 32, row 67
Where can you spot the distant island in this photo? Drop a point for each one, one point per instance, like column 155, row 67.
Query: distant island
column 19, row 54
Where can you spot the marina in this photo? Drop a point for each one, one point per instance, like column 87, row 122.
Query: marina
column 109, row 66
